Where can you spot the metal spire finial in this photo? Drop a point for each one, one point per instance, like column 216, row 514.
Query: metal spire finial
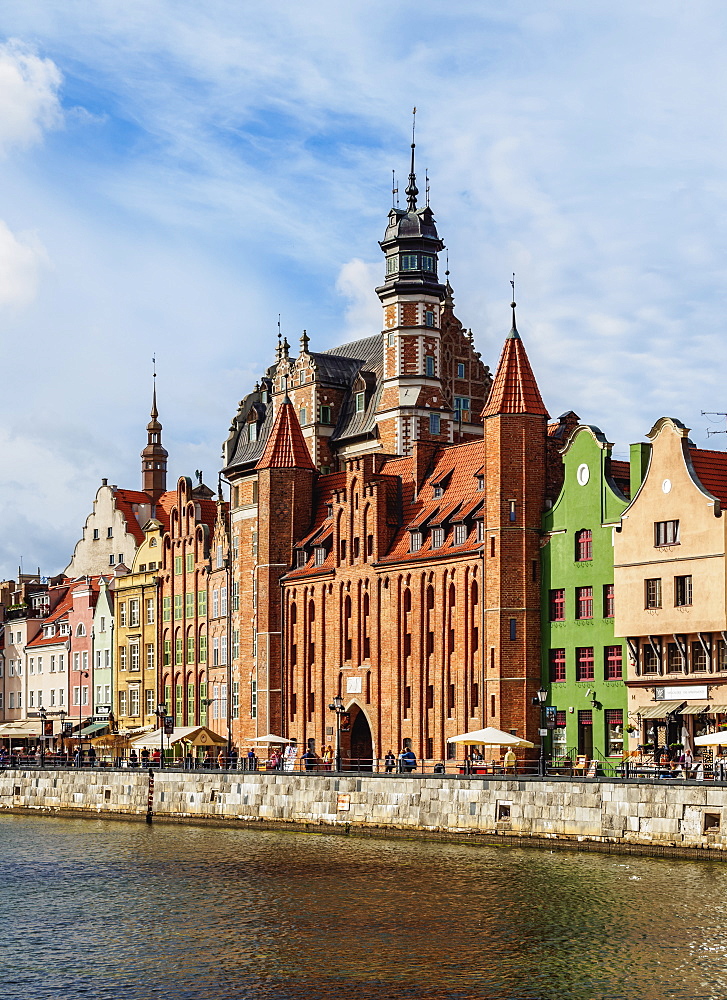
column 426, row 185
column 513, row 331
column 394, row 191
column 412, row 190
column 154, row 412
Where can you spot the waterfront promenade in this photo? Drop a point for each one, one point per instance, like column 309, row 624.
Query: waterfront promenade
column 632, row 815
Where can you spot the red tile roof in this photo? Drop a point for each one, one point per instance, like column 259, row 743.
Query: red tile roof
column 286, row 447
column 711, row 470
column 514, row 389
column 125, row 500
column 58, row 614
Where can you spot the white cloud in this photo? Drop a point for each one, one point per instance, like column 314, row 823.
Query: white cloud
column 20, row 258
column 356, row 283
column 29, row 102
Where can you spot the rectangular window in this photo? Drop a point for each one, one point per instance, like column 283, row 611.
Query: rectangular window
column 461, row 402
column 320, row 555
column 220, row 557
column 584, row 602
column 179, row 704
column 178, row 564
column 235, row 699
column 215, row 701
column 415, row 541
column 674, row 663
column 434, row 423
column 325, row 412
column 189, row 604
column 429, row 366
column 122, row 657
column 584, row 545
column 613, row 663
column 84, row 694
column 61, row 663
column 189, row 562
column 460, row 534
column 203, row 649
column 682, row 591
column 150, row 656
column 699, row 658
column 178, row 607
column 666, row 533
column 134, row 663
column 253, row 699
column 428, row 315
column 557, row 605
column 215, row 651
column 584, row 663
column 460, row 370
column 437, row 538
column 652, row 593
column 614, row 732
column 122, row 701
column 31, row 699
column 223, row 701
column 166, row 609
column 134, row 702
column 150, row 610
column 650, row 659
column 235, row 643
column 409, row 261
column 223, row 601
column 360, row 402
column 149, row 706
column 513, row 629
column 178, row 649
column 84, row 659
column 223, row 650
column 167, row 652
column 480, row 530
column 235, row 596
column 302, row 416
column 202, row 603
column 122, row 614
column 608, row 600
column 190, row 649
column 557, row 665
column 109, row 532
column 134, row 613
column 190, row 703
column 112, row 560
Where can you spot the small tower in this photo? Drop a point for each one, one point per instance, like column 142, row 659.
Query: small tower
column 154, row 456
column 515, row 434
column 412, row 406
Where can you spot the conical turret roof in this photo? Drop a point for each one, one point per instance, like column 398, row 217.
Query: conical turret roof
column 514, row 389
column 286, row 447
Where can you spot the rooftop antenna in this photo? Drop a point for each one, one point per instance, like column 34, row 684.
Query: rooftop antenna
column 714, row 413
column 394, row 191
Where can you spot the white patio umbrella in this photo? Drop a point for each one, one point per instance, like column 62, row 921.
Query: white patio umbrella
column 490, row 737
column 711, row 740
column 270, row 738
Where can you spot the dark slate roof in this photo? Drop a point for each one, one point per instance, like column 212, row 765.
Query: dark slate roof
column 368, row 355
column 250, row 452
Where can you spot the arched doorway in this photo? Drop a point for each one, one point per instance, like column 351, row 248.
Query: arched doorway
column 361, row 743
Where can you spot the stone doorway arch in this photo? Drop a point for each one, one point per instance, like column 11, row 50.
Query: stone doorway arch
column 357, row 748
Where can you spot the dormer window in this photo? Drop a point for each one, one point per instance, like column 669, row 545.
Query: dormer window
column 360, row 402
column 460, row 534
column 437, row 538
column 480, row 482
column 438, row 490
column 300, row 558
column 320, row 555
column 329, row 510
column 252, row 432
column 415, row 541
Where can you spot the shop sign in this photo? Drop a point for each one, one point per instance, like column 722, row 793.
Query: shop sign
column 682, row 693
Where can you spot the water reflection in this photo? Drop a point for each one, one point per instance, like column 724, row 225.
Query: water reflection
column 100, row 909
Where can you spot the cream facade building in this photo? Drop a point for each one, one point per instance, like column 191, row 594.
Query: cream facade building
column 670, row 577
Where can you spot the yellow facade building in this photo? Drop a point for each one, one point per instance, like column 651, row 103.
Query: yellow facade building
column 670, row 578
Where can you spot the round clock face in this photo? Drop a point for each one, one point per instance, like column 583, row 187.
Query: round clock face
column 666, row 486
column 583, row 475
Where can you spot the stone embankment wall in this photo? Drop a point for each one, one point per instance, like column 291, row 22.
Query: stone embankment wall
column 660, row 817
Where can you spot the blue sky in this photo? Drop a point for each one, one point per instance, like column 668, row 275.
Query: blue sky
column 174, row 174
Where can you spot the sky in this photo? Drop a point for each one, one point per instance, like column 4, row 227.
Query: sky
column 175, row 175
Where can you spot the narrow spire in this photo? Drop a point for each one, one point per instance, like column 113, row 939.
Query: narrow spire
column 286, row 447
column 394, row 191
column 514, row 335
column 514, row 389
column 412, row 190
column 154, row 456
column 304, row 341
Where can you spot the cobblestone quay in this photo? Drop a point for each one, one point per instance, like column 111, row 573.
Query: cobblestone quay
column 658, row 817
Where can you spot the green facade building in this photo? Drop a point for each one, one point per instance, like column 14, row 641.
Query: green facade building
column 582, row 661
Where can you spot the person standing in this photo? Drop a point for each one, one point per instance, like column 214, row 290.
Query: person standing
column 290, row 755
column 251, row 760
column 389, row 762
column 510, row 760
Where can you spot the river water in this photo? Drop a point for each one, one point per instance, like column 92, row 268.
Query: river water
column 99, row 909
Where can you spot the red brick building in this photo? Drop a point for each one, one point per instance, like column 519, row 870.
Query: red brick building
column 386, row 499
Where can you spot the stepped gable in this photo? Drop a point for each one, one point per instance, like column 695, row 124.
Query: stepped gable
column 286, row 447
column 455, row 471
column 711, row 470
column 514, row 389
column 163, row 508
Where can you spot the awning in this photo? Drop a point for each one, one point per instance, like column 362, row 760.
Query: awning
column 697, row 708
column 660, row 710
column 94, row 728
column 199, row 736
column 21, row 728
column 718, row 710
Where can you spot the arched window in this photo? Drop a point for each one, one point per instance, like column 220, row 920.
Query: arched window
column 81, row 630
column 584, row 546
column 347, row 645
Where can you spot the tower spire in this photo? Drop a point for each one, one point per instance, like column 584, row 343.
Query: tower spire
column 513, row 335
column 154, row 456
column 412, row 190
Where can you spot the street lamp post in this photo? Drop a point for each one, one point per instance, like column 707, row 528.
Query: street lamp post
column 42, row 714
column 160, row 713
column 540, row 699
column 62, row 714
column 337, row 707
